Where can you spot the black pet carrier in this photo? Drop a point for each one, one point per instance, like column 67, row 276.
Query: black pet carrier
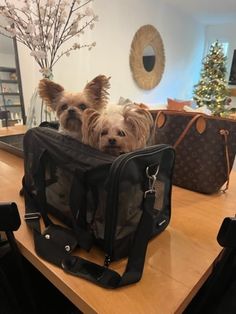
column 116, row 203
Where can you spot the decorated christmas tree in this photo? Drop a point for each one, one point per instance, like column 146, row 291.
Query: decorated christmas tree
column 212, row 90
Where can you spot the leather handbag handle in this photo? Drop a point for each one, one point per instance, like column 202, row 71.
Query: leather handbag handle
column 225, row 134
column 198, row 118
column 188, row 127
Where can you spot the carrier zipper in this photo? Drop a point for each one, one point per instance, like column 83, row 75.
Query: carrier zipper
column 107, row 260
column 111, row 207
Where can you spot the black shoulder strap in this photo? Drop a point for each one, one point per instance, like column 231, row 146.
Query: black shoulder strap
column 56, row 244
column 108, row 278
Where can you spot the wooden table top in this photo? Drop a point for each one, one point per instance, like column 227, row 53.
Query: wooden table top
column 177, row 263
column 13, row 130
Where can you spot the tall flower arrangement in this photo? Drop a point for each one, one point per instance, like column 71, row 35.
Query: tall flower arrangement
column 44, row 26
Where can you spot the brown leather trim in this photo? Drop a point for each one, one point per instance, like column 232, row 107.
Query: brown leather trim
column 185, row 131
column 201, row 125
column 225, row 134
column 160, row 119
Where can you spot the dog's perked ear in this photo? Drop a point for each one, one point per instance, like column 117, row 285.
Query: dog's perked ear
column 90, row 118
column 140, row 122
column 97, row 91
column 49, row 92
column 145, row 113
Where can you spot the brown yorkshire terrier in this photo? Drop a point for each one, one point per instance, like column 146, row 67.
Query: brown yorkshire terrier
column 69, row 106
column 118, row 129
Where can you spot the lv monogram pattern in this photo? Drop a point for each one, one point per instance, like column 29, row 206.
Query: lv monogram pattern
column 200, row 164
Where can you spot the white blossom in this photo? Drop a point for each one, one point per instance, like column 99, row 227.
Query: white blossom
column 45, row 25
column 89, row 12
column 30, row 28
column 76, row 46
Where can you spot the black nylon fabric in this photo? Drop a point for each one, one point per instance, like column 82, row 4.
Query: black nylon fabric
column 74, row 157
column 67, row 153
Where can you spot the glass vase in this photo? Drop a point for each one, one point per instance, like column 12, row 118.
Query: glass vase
column 38, row 110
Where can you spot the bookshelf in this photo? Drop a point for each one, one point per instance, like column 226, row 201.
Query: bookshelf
column 11, row 99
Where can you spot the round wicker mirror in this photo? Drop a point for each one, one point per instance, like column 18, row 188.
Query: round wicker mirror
column 146, row 76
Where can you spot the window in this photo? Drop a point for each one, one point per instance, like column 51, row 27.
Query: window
column 225, row 48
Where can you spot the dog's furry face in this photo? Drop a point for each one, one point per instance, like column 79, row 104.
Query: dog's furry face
column 69, row 106
column 117, row 131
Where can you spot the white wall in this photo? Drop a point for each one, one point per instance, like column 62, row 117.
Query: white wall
column 118, row 21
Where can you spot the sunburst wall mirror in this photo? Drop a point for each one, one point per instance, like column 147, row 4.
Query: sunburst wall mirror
column 147, row 57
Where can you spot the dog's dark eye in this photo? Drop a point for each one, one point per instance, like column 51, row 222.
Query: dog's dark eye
column 64, row 107
column 82, row 107
column 121, row 133
column 104, row 132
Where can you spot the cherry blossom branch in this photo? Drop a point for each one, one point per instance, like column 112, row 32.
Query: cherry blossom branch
column 44, row 26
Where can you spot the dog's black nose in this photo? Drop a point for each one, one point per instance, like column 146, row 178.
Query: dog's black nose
column 112, row 141
column 71, row 111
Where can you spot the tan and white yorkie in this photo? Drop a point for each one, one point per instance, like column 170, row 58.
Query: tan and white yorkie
column 118, row 129
column 70, row 106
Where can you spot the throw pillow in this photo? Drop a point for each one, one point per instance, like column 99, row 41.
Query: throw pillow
column 173, row 104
